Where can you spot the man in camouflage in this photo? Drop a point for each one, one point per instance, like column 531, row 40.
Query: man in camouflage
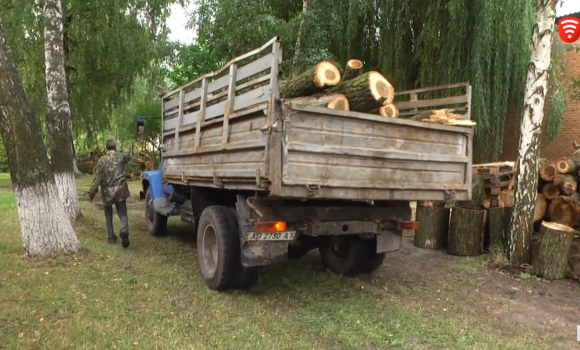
column 114, row 190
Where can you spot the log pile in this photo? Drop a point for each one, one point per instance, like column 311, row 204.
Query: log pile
column 353, row 90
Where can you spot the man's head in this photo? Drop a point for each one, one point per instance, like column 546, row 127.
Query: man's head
column 111, row 145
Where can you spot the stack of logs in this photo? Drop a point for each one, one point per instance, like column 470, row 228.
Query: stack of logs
column 370, row 92
column 469, row 228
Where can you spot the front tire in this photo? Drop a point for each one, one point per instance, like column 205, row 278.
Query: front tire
column 218, row 251
column 156, row 223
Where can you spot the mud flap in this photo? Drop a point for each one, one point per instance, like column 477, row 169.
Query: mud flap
column 389, row 241
column 264, row 253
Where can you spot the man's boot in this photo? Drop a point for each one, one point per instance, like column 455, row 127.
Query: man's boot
column 112, row 240
column 124, row 239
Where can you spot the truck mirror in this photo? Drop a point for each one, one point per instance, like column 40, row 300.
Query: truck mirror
column 141, row 126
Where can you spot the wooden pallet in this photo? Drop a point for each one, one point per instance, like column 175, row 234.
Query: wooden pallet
column 493, row 168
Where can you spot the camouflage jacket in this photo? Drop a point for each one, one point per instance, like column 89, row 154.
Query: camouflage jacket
column 111, row 177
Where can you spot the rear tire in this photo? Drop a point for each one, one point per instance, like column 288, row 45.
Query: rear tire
column 374, row 259
column 218, row 251
column 345, row 255
column 156, row 223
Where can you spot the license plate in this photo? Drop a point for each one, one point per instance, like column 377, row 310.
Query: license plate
column 271, row 236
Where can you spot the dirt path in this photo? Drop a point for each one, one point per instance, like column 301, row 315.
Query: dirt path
column 547, row 308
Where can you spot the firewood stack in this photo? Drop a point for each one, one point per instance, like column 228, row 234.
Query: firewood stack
column 353, row 90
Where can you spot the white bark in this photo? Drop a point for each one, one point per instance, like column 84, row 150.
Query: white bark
column 298, row 46
column 521, row 224
column 43, row 222
column 59, row 113
column 45, row 226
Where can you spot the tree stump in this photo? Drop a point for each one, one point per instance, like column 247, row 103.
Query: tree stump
column 433, row 219
column 551, row 262
column 477, row 194
column 466, row 231
column 499, row 220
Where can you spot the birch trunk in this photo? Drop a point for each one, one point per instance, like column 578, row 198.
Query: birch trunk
column 521, row 223
column 45, row 226
column 298, row 46
column 59, row 122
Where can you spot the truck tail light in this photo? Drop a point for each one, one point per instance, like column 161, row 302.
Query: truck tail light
column 408, row 225
column 273, row 226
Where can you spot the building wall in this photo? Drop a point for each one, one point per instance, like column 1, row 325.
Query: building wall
column 570, row 131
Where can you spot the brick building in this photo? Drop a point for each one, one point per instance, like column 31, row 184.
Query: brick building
column 570, row 130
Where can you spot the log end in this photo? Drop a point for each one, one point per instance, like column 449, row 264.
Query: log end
column 389, row 111
column 551, row 191
column 326, row 74
column 541, row 206
column 548, row 171
column 340, row 102
column 354, row 64
column 381, row 88
column 563, row 167
column 557, row 227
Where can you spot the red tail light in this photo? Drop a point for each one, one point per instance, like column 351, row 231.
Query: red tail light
column 408, row 225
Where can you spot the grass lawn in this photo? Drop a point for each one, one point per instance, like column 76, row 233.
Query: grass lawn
column 151, row 296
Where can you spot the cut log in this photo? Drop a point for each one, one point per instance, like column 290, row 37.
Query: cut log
column 490, row 202
column 541, row 206
column 567, row 183
column 389, row 111
column 506, row 198
column 366, row 92
column 332, row 101
column 551, row 261
column 499, row 220
column 466, row 231
column 433, row 219
column 548, row 171
column 313, row 81
column 352, row 70
column 565, row 210
column 551, row 190
column 568, row 165
column 477, row 193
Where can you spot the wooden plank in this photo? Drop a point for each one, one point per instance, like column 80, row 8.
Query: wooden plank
column 169, row 124
column 201, row 114
column 375, row 118
column 251, row 98
column 253, row 82
column 253, row 68
column 215, row 111
column 179, row 120
column 458, row 110
column 376, row 153
column 432, row 103
column 192, row 95
column 434, row 88
column 172, row 103
column 229, row 108
column 190, row 118
column 250, row 144
column 218, row 84
column 468, row 94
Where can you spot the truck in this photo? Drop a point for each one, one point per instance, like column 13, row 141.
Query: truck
column 263, row 180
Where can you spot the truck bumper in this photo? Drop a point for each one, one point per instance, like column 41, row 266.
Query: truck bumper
column 141, row 195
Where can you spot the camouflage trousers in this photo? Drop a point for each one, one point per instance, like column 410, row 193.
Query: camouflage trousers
column 122, row 212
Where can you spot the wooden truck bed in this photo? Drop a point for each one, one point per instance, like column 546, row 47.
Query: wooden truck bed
column 233, row 132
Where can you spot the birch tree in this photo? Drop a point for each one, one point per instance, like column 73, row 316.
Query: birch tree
column 58, row 116
column 521, row 224
column 45, row 226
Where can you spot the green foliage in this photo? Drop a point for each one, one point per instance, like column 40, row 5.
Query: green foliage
column 189, row 61
column 558, row 90
column 108, row 45
column 412, row 42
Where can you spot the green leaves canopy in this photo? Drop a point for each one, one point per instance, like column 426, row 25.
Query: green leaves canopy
column 414, row 43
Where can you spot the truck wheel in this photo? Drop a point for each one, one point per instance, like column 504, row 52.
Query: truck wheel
column 374, row 259
column 218, row 251
column 156, row 223
column 345, row 255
